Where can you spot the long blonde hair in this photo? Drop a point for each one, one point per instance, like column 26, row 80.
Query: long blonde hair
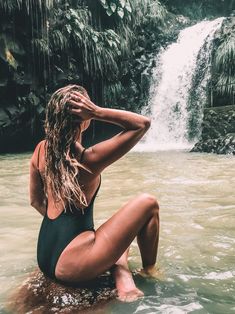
column 61, row 165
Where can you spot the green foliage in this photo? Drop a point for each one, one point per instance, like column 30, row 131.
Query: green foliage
column 118, row 7
column 96, row 50
column 200, row 9
column 11, row 5
column 224, row 65
column 150, row 12
column 42, row 46
column 77, row 39
column 135, row 11
column 112, row 93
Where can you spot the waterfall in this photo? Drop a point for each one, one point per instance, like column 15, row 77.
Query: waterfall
column 170, row 103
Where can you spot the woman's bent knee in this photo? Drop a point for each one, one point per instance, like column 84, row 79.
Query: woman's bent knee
column 150, row 201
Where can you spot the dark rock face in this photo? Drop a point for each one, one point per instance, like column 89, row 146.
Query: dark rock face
column 220, row 145
column 218, row 131
column 39, row 294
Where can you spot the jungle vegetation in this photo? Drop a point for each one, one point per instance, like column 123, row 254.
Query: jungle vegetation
column 90, row 40
column 100, row 44
column 83, row 40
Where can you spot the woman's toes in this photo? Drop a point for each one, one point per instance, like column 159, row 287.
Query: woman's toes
column 130, row 296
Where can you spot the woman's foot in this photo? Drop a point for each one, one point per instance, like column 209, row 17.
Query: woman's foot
column 150, row 272
column 126, row 288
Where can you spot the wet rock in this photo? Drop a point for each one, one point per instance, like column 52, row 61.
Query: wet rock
column 39, row 294
column 222, row 145
column 218, row 131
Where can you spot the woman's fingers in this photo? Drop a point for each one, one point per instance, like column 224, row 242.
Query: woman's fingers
column 76, row 104
column 75, row 107
column 79, row 109
column 76, row 111
column 78, row 97
column 84, row 105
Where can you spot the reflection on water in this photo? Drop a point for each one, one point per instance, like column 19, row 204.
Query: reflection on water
column 197, row 242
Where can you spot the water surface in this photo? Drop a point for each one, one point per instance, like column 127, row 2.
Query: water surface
column 197, row 239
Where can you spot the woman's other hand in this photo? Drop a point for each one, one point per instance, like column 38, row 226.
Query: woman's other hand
column 82, row 106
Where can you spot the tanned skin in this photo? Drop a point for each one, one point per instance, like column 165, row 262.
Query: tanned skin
column 92, row 253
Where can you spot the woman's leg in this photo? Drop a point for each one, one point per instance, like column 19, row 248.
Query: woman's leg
column 125, row 285
column 89, row 254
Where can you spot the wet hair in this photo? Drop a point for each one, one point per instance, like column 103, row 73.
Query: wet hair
column 61, row 165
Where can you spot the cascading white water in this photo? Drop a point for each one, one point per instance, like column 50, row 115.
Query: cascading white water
column 171, row 85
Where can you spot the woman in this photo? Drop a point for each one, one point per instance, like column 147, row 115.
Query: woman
column 64, row 180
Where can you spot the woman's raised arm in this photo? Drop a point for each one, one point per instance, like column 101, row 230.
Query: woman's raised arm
column 104, row 153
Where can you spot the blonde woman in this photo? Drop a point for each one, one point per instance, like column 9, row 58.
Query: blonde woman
column 64, row 180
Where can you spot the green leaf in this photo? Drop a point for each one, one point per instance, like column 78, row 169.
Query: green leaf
column 128, row 7
column 95, row 38
column 104, row 4
column 68, row 16
column 122, row 3
column 68, row 28
column 113, row 6
column 109, row 12
column 74, row 13
column 120, row 12
column 81, row 26
column 78, row 35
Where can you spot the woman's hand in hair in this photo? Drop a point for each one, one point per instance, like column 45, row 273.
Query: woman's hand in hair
column 82, row 106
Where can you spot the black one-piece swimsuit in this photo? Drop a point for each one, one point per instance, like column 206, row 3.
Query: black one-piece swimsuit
column 56, row 234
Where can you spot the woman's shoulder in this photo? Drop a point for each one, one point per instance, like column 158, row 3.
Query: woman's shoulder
column 38, row 145
column 36, row 152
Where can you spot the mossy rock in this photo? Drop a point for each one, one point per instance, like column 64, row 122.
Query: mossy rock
column 220, row 145
column 41, row 295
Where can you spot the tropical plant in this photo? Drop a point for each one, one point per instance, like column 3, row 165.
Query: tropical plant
column 151, row 12
column 90, row 38
column 96, row 51
column 224, row 65
column 199, row 9
column 11, row 5
column 119, row 7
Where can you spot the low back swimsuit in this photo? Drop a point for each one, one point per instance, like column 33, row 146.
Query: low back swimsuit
column 56, row 234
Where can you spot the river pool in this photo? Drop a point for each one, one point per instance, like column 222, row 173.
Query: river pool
column 197, row 239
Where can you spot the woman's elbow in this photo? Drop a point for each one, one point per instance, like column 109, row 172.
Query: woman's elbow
column 146, row 123
column 40, row 207
column 34, row 204
column 37, row 204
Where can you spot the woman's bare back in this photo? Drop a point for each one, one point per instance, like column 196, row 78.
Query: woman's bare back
column 87, row 180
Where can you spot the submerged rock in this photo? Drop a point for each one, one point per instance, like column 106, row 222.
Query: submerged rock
column 39, row 294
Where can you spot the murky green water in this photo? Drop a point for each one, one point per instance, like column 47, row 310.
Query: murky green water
column 197, row 240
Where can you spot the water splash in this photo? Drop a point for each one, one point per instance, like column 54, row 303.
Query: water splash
column 171, row 85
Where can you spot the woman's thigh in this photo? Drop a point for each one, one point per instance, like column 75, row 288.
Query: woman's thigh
column 89, row 254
